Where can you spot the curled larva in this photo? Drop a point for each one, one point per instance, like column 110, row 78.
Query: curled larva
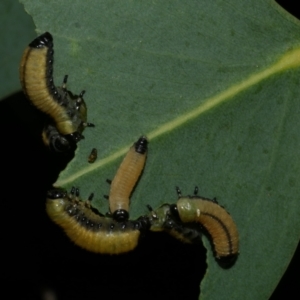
column 126, row 179
column 214, row 219
column 88, row 228
column 166, row 219
column 67, row 112
column 93, row 156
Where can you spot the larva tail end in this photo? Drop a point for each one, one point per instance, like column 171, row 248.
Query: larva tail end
column 44, row 40
column 227, row 261
column 121, row 215
column 141, row 145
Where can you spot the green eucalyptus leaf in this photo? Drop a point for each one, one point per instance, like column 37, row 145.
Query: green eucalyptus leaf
column 214, row 85
column 17, row 29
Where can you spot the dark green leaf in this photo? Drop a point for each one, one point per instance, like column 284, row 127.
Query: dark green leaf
column 17, row 30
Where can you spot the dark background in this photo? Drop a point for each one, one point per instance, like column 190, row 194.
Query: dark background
column 289, row 284
column 38, row 257
column 37, row 254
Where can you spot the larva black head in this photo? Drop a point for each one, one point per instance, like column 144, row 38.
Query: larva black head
column 141, row 145
column 174, row 211
column 56, row 194
column 144, row 223
column 56, row 141
column 120, row 215
column 75, row 137
column 228, row 261
column 174, row 215
column 44, row 40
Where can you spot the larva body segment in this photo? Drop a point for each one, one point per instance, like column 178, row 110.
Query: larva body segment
column 215, row 219
column 126, row 178
column 89, row 229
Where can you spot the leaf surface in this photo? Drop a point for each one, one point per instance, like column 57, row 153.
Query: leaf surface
column 17, row 30
column 214, row 85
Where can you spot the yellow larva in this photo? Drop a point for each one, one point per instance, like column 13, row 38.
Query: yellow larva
column 67, row 112
column 126, row 179
column 89, row 229
column 216, row 221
